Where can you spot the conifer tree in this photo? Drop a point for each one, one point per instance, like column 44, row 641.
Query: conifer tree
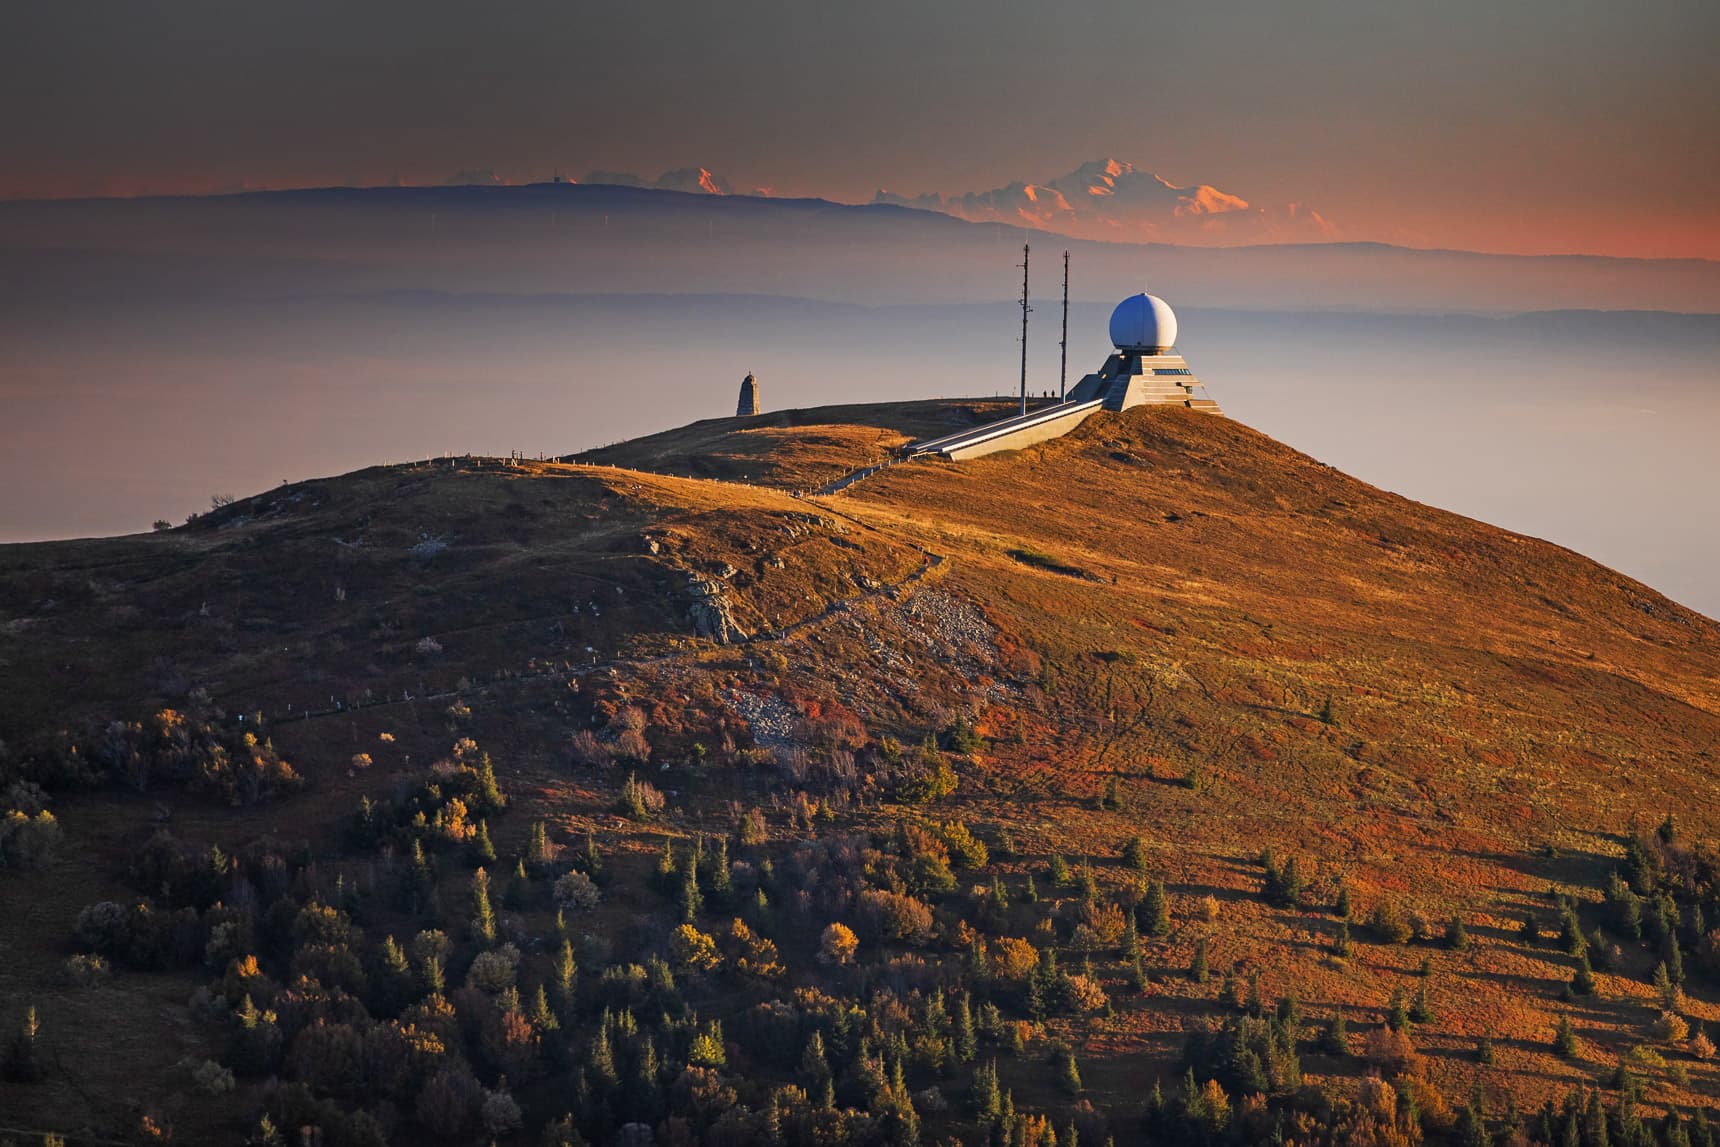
column 1155, row 910
column 564, row 973
column 392, row 983
column 720, row 881
column 488, row 793
column 1664, row 989
column 483, row 916
column 814, row 1066
column 987, row 1102
column 1198, row 971
column 1335, row 1040
column 1135, row 855
column 1456, row 936
column 479, row 850
column 1068, row 1075
column 666, row 864
column 962, row 1037
column 542, row 1018
column 1565, row 1039
column 537, row 846
column 1343, row 907
column 23, row 1060
column 1397, row 1013
column 1583, row 979
column 1421, row 1011
column 1343, row 947
column 692, row 901
column 601, row 1062
column 1131, row 946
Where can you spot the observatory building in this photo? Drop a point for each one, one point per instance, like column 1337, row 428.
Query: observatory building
column 1143, row 370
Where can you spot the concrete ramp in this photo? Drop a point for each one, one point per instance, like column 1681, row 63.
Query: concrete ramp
column 1012, row 433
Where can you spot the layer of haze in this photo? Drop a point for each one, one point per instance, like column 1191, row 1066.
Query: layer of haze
column 1533, row 126
column 1595, row 431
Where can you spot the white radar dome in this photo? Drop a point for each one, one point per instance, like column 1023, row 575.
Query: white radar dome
column 1143, row 323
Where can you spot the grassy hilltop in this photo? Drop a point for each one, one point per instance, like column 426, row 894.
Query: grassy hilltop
column 977, row 801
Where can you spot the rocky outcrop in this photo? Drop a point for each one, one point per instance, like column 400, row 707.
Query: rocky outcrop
column 711, row 613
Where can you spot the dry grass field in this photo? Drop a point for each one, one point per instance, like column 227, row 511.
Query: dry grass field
column 1164, row 626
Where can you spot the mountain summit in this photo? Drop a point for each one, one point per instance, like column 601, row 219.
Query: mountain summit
column 440, row 797
column 1108, row 199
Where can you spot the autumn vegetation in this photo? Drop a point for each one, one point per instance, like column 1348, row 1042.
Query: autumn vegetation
column 1301, row 816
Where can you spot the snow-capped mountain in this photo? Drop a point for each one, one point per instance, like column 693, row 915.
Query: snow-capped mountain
column 1111, row 199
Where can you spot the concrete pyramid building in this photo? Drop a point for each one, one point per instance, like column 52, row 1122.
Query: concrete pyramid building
column 1143, row 370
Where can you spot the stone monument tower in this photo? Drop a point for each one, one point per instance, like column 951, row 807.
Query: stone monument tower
column 749, row 397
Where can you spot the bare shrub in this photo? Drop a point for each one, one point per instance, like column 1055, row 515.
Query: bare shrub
column 586, row 749
column 893, row 916
column 576, row 892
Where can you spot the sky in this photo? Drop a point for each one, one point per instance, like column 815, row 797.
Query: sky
column 1534, row 126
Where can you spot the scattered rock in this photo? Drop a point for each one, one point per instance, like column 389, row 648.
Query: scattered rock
column 711, row 614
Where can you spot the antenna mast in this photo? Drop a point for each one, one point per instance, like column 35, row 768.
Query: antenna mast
column 1025, row 309
column 1063, row 346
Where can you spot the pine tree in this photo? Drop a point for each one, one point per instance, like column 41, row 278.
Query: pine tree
column 962, row 1032
column 1456, row 936
column 1155, row 910
column 1421, row 1011
column 479, row 850
column 1335, row 1040
column 1135, row 854
column 22, row 1059
column 601, row 1063
column 542, row 1018
column 537, row 846
column 1565, row 1039
column 392, row 983
column 1674, row 959
column 1583, row 979
column 564, row 976
column 666, row 864
column 1068, row 1075
column 488, row 793
column 814, row 1066
column 519, row 893
column 483, row 916
column 692, row 901
column 1198, row 971
column 1343, row 947
column 1130, row 950
column 719, row 881
column 987, row 1102
column 1397, row 1013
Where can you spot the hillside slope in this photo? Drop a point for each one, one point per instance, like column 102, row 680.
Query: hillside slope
column 1164, row 626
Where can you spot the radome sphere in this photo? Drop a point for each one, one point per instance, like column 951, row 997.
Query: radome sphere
column 1143, row 323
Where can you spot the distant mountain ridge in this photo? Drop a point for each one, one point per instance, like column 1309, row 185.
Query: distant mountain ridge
column 1111, row 200
column 583, row 237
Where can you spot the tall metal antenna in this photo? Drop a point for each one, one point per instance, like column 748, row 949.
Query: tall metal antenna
column 1063, row 346
column 1025, row 309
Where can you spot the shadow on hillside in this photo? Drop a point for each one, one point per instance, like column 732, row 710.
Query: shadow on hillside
column 1584, row 869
